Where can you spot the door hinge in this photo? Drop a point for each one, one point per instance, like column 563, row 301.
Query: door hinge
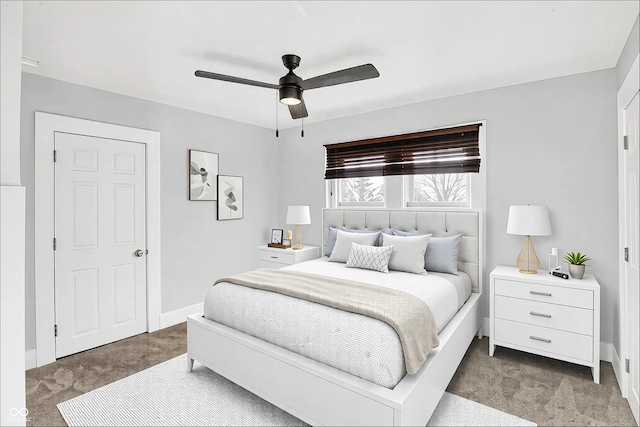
column 626, row 254
column 55, row 243
column 626, row 142
column 626, row 365
column 55, row 330
column 55, row 155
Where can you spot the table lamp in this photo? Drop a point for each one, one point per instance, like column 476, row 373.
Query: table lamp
column 528, row 220
column 298, row 215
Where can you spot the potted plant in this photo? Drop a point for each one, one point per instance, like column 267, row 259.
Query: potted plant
column 577, row 263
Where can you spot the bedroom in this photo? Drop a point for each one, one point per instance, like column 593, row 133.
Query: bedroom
column 537, row 130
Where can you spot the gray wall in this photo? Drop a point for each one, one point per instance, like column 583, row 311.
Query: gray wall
column 196, row 248
column 629, row 53
column 551, row 142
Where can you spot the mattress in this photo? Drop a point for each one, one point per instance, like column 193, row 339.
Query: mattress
column 359, row 345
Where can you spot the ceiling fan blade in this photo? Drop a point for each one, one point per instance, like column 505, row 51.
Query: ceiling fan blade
column 298, row 111
column 354, row 74
column 232, row 79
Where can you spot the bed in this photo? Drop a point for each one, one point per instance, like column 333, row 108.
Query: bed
column 320, row 394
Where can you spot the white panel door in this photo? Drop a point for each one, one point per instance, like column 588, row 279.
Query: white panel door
column 632, row 266
column 100, row 280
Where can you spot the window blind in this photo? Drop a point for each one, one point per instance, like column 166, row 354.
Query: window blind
column 451, row 150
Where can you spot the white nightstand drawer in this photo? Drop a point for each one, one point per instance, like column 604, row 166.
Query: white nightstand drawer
column 280, row 258
column 571, row 319
column 544, row 339
column 544, row 293
column 269, row 264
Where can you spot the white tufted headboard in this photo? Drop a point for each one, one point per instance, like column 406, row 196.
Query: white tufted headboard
column 439, row 223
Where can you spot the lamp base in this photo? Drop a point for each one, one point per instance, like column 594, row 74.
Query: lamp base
column 528, row 262
column 298, row 242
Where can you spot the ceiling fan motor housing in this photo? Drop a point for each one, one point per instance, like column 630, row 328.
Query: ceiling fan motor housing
column 290, row 92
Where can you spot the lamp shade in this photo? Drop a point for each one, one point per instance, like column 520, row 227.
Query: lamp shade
column 298, row 215
column 529, row 220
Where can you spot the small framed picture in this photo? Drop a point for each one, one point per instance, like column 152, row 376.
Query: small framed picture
column 286, row 242
column 203, row 172
column 276, row 236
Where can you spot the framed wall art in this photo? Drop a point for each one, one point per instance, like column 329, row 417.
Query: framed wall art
column 230, row 197
column 203, row 170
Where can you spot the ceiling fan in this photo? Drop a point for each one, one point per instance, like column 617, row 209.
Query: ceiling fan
column 290, row 86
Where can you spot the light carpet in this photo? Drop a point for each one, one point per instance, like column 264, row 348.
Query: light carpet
column 168, row 395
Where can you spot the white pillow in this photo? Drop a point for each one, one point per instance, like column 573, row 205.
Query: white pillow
column 370, row 257
column 408, row 252
column 342, row 249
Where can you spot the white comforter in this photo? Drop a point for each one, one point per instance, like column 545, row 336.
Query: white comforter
column 360, row 345
column 443, row 293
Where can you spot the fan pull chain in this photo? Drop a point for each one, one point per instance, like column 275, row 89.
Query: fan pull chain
column 277, row 133
column 302, row 129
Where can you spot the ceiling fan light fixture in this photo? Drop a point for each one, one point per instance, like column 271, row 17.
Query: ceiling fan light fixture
column 290, row 95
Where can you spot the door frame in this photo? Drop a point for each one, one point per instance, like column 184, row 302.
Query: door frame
column 627, row 91
column 46, row 125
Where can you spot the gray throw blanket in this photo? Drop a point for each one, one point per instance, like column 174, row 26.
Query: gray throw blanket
column 408, row 315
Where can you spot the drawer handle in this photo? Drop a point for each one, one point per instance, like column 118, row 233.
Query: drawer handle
column 535, row 313
column 274, row 257
column 533, row 337
column 546, row 294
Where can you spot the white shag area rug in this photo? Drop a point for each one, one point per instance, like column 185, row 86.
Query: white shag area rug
column 168, row 395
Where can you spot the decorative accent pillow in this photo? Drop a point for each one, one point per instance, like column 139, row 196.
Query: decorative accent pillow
column 442, row 252
column 408, row 252
column 333, row 233
column 370, row 257
column 344, row 239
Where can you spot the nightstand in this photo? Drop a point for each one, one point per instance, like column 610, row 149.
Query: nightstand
column 278, row 258
column 546, row 315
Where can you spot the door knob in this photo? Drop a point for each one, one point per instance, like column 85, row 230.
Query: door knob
column 139, row 253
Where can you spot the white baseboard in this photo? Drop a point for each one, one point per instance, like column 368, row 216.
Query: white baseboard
column 486, row 327
column 180, row 315
column 30, row 359
column 618, row 369
column 606, row 352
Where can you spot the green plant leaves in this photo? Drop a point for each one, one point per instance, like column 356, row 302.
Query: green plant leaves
column 576, row 258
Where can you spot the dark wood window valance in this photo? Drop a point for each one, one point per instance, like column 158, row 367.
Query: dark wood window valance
column 451, row 150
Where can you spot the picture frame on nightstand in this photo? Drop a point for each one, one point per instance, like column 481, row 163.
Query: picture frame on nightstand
column 276, row 236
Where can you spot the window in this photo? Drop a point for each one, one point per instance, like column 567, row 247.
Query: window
column 448, row 189
column 437, row 168
column 366, row 191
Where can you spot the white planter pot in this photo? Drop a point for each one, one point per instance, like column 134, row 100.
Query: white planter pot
column 576, row 271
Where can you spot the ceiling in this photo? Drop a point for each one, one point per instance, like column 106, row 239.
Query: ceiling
column 423, row 50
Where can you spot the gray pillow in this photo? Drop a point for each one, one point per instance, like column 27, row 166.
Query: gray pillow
column 442, row 252
column 344, row 239
column 379, row 241
column 333, row 232
column 408, row 252
column 331, row 241
column 370, row 257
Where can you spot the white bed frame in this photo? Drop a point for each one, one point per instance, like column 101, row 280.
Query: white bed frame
column 322, row 395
